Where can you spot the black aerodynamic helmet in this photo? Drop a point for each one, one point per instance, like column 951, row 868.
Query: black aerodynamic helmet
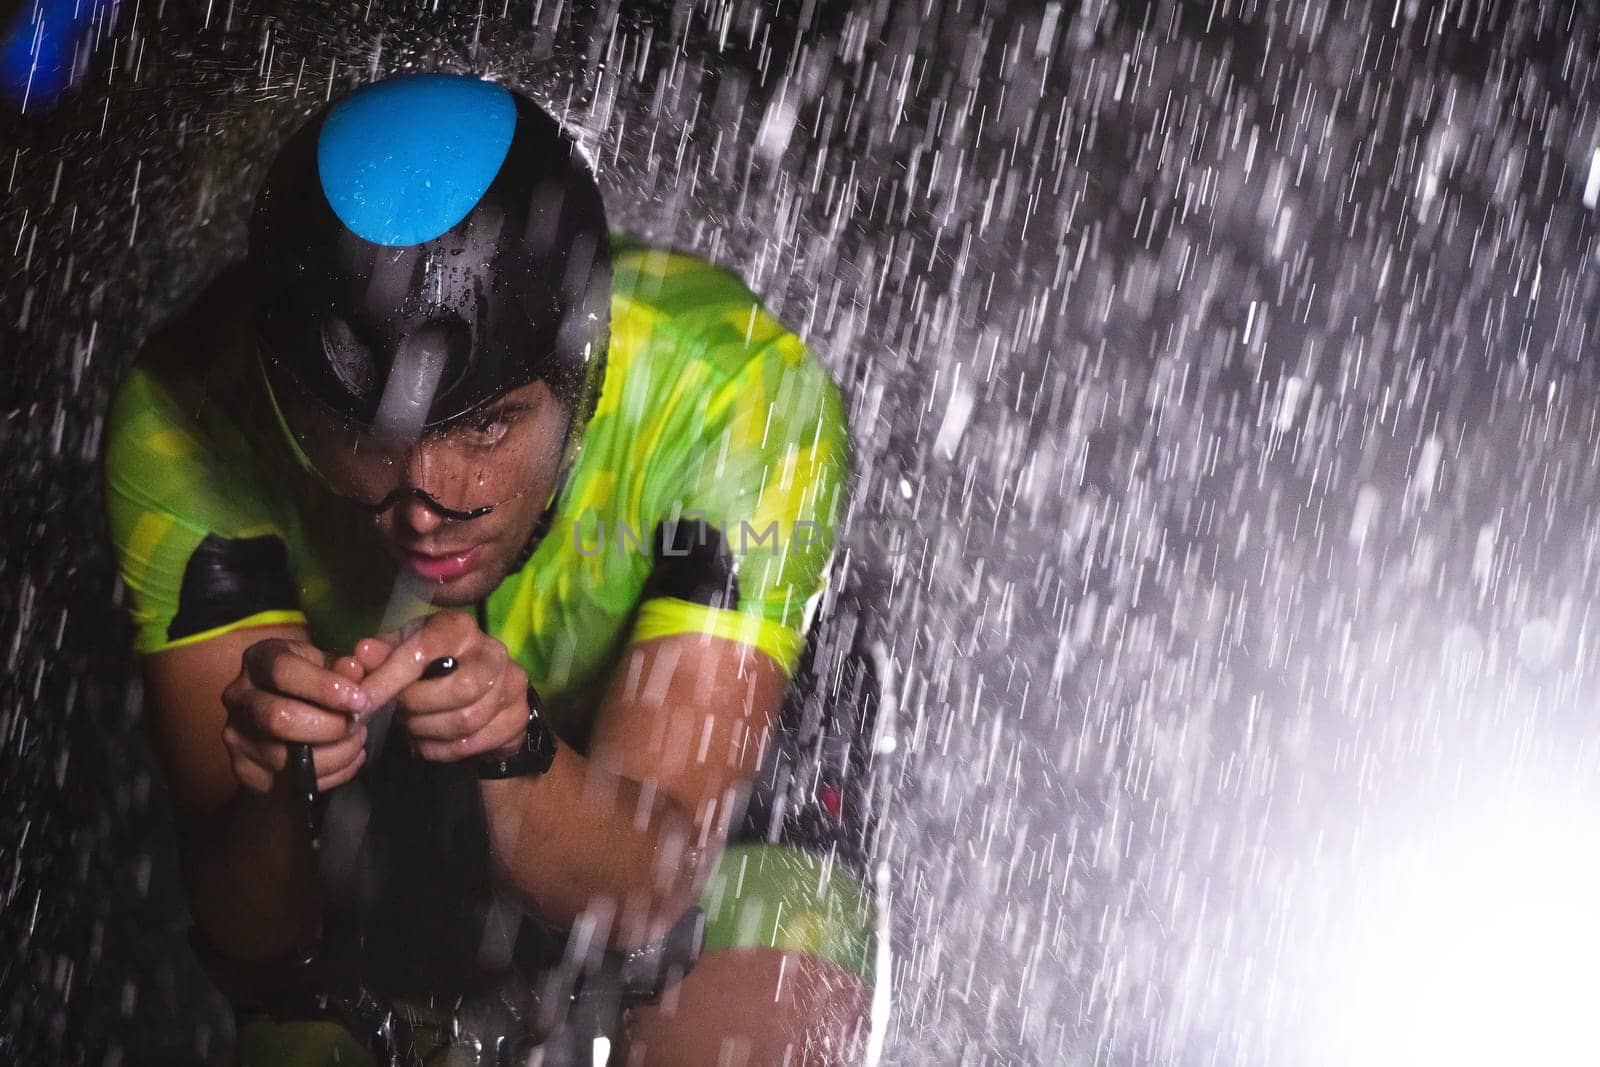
column 422, row 246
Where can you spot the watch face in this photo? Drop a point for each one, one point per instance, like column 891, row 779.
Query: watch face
column 540, row 746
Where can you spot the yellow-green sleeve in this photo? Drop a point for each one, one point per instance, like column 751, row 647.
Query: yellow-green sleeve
column 170, row 483
column 763, row 456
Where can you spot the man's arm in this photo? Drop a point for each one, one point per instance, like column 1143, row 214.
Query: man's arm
column 246, row 857
column 679, row 737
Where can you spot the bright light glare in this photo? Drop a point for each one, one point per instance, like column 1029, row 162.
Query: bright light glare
column 1479, row 945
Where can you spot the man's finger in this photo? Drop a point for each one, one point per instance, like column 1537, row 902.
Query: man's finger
column 259, row 762
column 335, row 757
column 269, row 755
column 456, row 721
column 350, row 668
column 281, row 718
column 251, row 775
column 502, row 730
column 399, row 669
column 343, row 775
column 287, row 672
column 445, row 633
column 474, row 679
column 372, row 651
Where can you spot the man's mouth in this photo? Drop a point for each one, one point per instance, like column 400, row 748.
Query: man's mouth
column 443, row 566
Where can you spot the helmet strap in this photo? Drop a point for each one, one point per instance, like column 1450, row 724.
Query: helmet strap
column 541, row 528
column 295, row 450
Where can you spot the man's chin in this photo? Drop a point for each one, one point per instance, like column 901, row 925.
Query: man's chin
column 464, row 591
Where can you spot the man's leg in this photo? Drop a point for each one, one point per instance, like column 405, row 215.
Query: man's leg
column 267, row 1042
column 754, row 1006
column 786, row 974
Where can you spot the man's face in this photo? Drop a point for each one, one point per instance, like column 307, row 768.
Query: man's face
column 514, row 443
column 506, row 454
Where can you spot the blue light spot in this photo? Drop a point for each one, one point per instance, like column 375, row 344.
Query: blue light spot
column 404, row 160
column 37, row 51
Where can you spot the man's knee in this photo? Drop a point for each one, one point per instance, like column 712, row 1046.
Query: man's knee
column 754, row 1006
column 785, row 971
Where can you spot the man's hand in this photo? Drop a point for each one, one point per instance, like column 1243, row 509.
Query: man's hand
column 292, row 691
column 481, row 708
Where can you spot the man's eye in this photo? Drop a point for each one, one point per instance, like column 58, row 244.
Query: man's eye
column 488, row 431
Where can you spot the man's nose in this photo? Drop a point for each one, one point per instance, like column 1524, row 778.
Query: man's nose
column 418, row 515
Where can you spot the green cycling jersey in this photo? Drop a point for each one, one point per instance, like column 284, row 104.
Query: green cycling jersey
column 711, row 414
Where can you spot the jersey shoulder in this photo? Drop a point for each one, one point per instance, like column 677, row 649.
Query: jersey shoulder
column 697, row 356
column 194, row 525
column 705, row 310
column 180, row 432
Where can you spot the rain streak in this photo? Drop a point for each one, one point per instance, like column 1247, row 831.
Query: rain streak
column 1224, row 501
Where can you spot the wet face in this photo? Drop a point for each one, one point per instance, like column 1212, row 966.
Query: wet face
column 507, row 454
column 516, row 445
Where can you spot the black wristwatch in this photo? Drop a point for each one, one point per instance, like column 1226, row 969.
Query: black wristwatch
column 538, row 749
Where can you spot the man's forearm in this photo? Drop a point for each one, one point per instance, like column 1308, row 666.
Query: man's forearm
column 578, row 833
column 252, row 877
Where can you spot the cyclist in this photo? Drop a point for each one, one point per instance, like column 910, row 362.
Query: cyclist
column 441, row 414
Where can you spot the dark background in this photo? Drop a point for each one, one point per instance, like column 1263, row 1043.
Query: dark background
column 1269, row 325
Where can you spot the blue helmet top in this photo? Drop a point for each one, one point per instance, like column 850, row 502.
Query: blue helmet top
column 432, row 209
column 403, row 161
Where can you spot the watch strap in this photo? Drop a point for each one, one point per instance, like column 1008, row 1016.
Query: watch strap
column 537, row 753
